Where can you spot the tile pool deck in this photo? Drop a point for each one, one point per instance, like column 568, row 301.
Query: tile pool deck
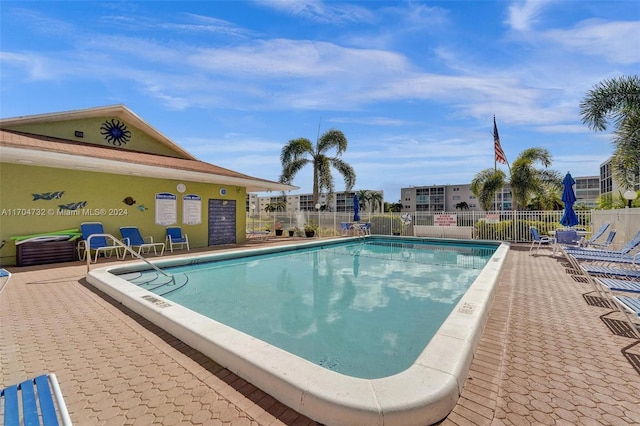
column 548, row 355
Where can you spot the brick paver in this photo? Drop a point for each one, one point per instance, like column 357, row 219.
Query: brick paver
column 547, row 356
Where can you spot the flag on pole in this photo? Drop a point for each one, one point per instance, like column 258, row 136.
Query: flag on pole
column 500, row 157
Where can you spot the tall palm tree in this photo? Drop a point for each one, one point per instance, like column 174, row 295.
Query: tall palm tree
column 297, row 153
column 376, row 200
column 618, row 100
column 364, row 197
column 528, row 181
column 486, row 184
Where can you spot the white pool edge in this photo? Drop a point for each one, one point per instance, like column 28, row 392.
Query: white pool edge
column 423, row 394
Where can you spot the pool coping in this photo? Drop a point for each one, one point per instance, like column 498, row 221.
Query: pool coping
column 424, row 393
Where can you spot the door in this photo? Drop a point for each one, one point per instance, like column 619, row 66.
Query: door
column 222, row 222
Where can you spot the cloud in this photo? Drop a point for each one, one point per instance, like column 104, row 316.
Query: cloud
column 334, row 13
column 522, row 15
column 618, row 42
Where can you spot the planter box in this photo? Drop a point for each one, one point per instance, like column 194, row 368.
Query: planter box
column 39, row 253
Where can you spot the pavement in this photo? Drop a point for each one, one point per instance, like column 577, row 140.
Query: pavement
column 552, row 353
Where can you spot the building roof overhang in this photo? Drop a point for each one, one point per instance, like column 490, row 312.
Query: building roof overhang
column 36, row 150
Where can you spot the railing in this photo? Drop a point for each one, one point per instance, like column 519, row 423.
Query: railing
column 126, row 249
column 494, row 225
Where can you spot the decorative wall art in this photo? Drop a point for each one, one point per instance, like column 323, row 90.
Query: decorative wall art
column 48, row 196
column 115, row 132
column 129, row 201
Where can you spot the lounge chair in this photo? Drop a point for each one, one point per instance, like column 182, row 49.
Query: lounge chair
column 625, row 250
column 366, row 228
column 606, row 270
column 607, row 243
column 5, row 276
column 599, row 233
column 137, row 243
column 36, row 401
column 98, row 242
column 175, row 237
column 344, row 226
column 538, row 239
column 616, row 285
column 630, row 308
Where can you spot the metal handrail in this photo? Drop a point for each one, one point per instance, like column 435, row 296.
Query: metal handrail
column 126, row 249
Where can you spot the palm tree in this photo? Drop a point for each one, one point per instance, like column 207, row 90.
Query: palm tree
column 364, row 198
column 376, row 199
column 486, row 184
column 527, row 181
column 618, row 100
column 297, row 153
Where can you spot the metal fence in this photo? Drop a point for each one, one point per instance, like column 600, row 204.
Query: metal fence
column 510, row 226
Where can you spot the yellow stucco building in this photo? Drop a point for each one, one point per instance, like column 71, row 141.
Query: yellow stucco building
column 108, row 165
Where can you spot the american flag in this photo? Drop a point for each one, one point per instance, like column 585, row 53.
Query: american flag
column 500, row 157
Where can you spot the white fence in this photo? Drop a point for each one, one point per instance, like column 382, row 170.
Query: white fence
column 497, row 225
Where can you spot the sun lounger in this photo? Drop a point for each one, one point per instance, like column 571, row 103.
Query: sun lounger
column 592, row 241
column 625, row 250
column 630, row 308
column 606, row 270
column 36, row 401
column 98, row 242
column 617, row 285
column 5, row 276
column 131, row 237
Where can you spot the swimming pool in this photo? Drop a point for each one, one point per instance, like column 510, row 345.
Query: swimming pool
column 424, row 392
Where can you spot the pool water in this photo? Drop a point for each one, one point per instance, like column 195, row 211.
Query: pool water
column 363, row 309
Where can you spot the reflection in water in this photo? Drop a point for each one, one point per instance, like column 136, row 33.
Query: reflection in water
column 362, row 309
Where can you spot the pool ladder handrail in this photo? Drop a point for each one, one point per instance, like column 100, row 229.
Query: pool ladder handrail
column 126, row 249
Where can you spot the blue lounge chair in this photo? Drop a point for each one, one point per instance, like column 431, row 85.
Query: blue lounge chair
column 538, row 239
column 32, row 403
column 98, row 242
column 606, row 270
column 137, row 243
column 625, row 250
column 630, row 307
column 5, row 276
column 607, row 243
column 175, row 237
column 616, row 285
column 599, row 233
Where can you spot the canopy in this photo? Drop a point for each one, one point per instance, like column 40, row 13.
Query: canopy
column 356, row 208
column 569, row 217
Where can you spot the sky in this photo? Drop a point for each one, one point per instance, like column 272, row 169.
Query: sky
column 413, row 85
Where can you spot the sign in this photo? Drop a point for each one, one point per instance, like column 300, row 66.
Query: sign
column 166, row 208
column 445, row 220
column 492, row 218
column 191, row 209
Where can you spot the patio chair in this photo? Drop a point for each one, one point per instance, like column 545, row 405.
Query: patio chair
column 137, row 243
column 566, row 238
column 538, row 239
column 599, row 233
column 344, row 227
column 366, row 228
column 36, row 401
column 98, row 242
column 5, row 276
column 175, row 237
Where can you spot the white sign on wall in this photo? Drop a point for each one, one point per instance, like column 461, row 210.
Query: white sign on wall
column 191, row 209
column 166, row 208
column 445, row 220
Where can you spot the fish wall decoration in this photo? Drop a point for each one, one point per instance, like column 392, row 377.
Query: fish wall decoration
column 47, row 196
column 73, row 206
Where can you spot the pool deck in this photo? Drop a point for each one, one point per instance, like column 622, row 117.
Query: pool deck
column 549, row 355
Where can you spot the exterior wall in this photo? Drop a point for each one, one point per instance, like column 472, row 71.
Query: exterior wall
column 21, row 215
column 341, row 202
column 91, row 128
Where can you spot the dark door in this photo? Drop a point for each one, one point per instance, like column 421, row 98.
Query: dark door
column 222, row 222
